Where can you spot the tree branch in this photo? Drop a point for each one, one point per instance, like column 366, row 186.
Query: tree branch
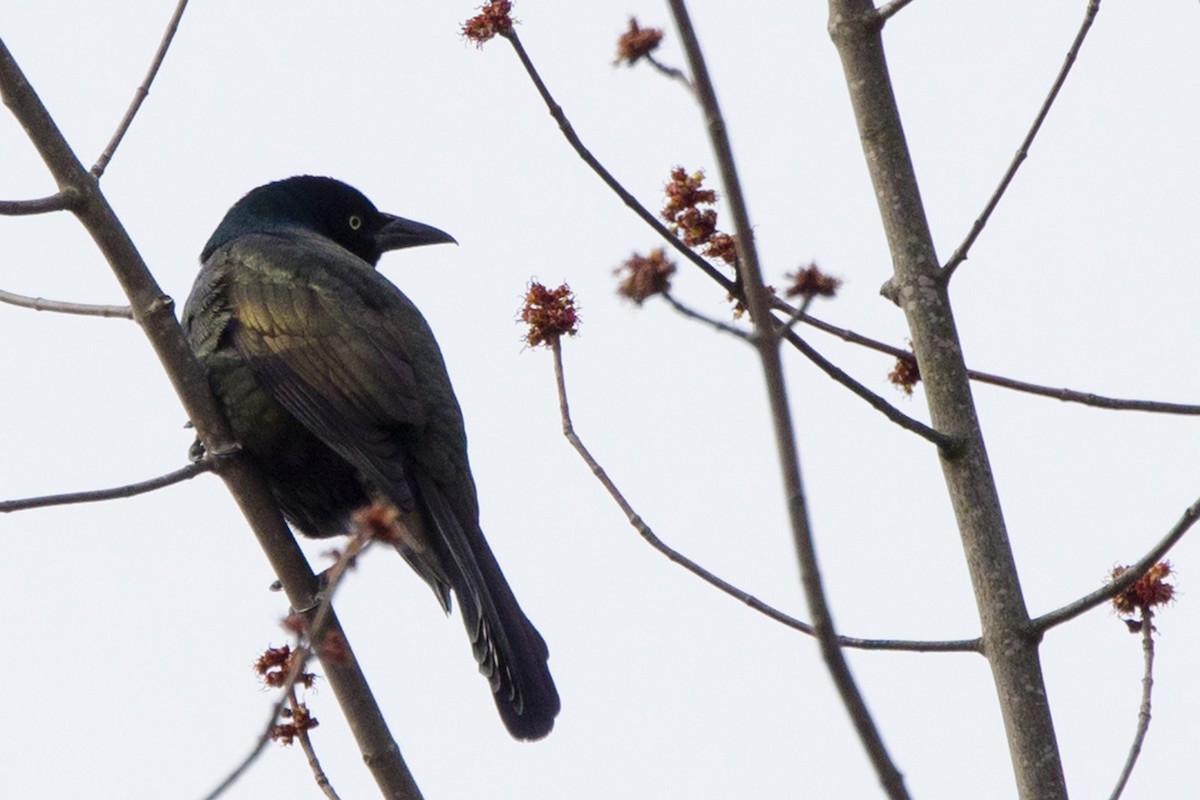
column 63, row 307
column 154, row 311
column 1143, row 725
column 767, row 343
column 1063, row 394
column 97, row 495
column 316, row 621
column 691, row 313
column 1126, row 579
column 310, row 752
column 943, row 442
column 674, row 73
column 59, row 201
column 611, row 182
column 1012, row 654
column 960, row 255
column 142, row 91
column 888, row 10
column 644, row 530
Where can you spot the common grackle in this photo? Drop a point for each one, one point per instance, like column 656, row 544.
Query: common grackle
column 335, row 387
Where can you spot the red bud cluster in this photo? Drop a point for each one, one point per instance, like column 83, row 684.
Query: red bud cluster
column 549, row 313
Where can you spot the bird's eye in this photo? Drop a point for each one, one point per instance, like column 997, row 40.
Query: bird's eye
column 355, row 222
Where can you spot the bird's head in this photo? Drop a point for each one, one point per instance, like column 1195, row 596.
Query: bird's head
column 325, row 206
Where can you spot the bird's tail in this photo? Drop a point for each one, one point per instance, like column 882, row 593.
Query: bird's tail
column 510, row 652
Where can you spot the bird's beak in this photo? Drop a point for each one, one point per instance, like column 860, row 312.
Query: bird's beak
column 399, row 233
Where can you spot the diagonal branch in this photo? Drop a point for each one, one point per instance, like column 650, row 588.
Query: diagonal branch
column 568, row 130
column 945, row 443
column 960, row 255
column 154, row 311
column 316, row 627
column 142, row 91
column 98, row 495
column 889, row 9
column 1126, row 579
column 691, row 313
column 644, row 530
column 674, row 73
column 767, row 343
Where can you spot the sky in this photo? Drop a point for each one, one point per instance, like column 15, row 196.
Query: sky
column 131, row 626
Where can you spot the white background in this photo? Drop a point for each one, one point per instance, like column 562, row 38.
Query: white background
column 130, row 627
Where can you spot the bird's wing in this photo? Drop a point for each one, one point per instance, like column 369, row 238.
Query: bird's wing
column 327, row 350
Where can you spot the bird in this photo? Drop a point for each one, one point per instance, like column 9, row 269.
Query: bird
column 336, row 389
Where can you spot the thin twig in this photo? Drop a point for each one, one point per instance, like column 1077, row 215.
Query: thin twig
column 1143, row 725
column 64, row 307
column 1127, row 578
column 825, row 365
column 1087, row 398
column 315, row 626
column 960, row 255
column 1063, row 394
column 59, row 201
column 97, row 495
column 611, row 182
column 674, row 73
column 310, row 752
column 758, row 301
column 691, row 313
column 797, row 314
column 888, row 10
column 143, row 90
column 644, row 530
column 947, row 445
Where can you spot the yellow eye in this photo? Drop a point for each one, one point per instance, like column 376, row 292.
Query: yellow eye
column 355, row 222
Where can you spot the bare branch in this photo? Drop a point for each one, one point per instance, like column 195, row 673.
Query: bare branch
column 63, row 307
column 142, row 90
column 97, row 495
column 759, row 302
column 674, row 73
column 59, row 201
column 644, row 530
column 1126, row 579
column 632, row 202
column 1066, row 395
column 1012, row 656
column 723, row 327
column 798, row 313
column 960, row 255
column 317, row 625
column 1143, row 725
column 1086, row 398
column 889, row 9
column 946, row 444
column 310, row 752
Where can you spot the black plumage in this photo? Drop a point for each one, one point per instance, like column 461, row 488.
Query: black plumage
column 335, row 386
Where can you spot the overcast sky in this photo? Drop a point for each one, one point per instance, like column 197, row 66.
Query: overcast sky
column 130, row 627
